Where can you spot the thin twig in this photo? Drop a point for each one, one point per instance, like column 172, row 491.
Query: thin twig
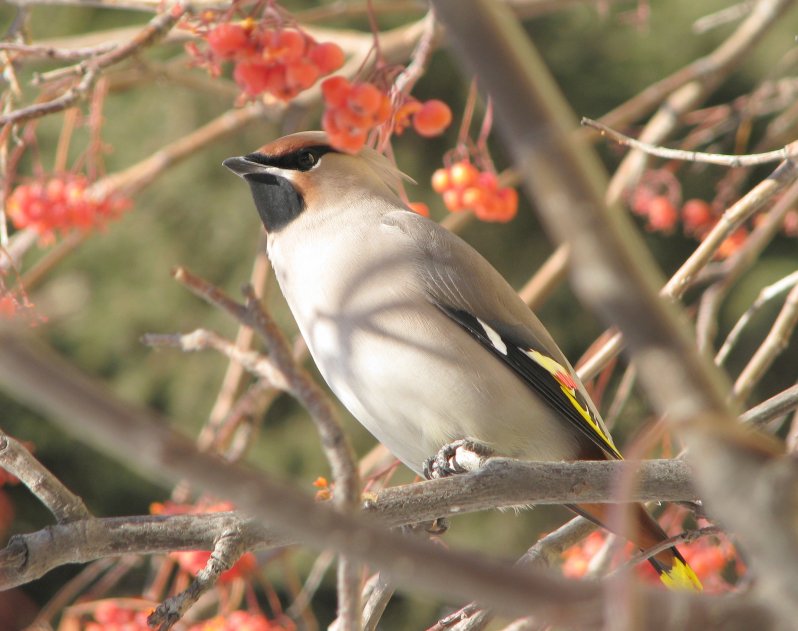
column 226, row 551
column 157, row 28
column 775, row 407
column 754, row 159
column 776, row 341
column 766, row 294
column 60, row 501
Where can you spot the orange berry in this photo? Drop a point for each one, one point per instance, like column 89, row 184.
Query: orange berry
column 488, row 181
column 732, row 243
column 419, row 207
column 345, row 118
column 509, row 197
column 433, row 117
column 453, row 201
column 286, row 45
column 252, row 77
column 662, row 216
column 301, row 74
column 328, row 57
column 696, row 216
column 335, row 91
column 473, row 196
column 383, row 112
column 441, row 180
column 350, row 141
column 228, row 40
column 365, row 98
column 463, row 174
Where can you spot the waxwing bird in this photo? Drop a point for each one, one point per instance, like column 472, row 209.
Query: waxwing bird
column 415, row 332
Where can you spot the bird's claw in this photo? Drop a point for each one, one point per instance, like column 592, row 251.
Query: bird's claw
column 448, row 462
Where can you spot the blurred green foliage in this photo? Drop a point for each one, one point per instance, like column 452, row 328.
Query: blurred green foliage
column 117, row 286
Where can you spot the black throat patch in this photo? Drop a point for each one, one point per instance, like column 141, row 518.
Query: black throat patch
column 277, row 201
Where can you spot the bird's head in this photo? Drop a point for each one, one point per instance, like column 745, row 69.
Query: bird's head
column 302, row 173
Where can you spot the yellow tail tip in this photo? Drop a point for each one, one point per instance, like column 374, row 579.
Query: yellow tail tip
column 681, row 576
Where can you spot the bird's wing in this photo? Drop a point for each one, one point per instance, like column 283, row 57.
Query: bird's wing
column 467, row 289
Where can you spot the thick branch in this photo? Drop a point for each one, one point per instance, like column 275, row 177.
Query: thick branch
column 146, row 444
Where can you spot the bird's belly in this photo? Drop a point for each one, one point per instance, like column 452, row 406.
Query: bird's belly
column 415, row 407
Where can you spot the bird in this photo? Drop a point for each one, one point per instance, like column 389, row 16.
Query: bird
column 416, row 333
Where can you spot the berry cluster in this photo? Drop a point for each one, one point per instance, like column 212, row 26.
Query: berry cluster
column 278, row 61
column 238, row 621
column 60, row 204
column 352, row 111
column 120, row 615
column 464, row 187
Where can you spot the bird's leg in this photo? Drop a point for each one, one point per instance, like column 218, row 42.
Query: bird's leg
column 459, row 456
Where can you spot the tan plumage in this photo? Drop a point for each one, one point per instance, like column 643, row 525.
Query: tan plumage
column 416, row 333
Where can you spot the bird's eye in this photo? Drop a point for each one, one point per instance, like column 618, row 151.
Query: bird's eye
column 306, row 160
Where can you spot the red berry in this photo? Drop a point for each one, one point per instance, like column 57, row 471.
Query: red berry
column 253, row 77
column 335, row 91
column 696, row 216
column 419, row 207
column 441, row 180
column 433, row 117
column 662, row 215
column 328, row 57
column 300, row 75
column 227, row 40
column 463, row 174
column 453, row 200
column 365, row 98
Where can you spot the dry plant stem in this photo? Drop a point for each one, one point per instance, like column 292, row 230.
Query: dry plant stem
column 614, row 274
column 157, row 28
column 784, row 176
column 226, row 551
column 724, row 16
column 776, row 341
column 775, row 407
column 59, row 500
column 766, row 294
column 84, row 408
column 785, row 153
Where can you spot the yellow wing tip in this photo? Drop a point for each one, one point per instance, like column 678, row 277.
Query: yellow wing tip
column 681, row 576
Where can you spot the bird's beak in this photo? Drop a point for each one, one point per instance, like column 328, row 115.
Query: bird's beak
column 243, row 167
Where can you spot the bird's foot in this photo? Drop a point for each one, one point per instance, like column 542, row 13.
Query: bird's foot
column 458, row 457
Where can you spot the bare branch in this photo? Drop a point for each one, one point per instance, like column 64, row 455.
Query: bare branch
column 773, row 408
column 227, row 549
column 157, row 28
column 754, row 159
column 776, row 341
column 60, row 501
column 146, row 443
column 766, row 294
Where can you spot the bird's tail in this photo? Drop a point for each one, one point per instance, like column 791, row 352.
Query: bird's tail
column 673, row 570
